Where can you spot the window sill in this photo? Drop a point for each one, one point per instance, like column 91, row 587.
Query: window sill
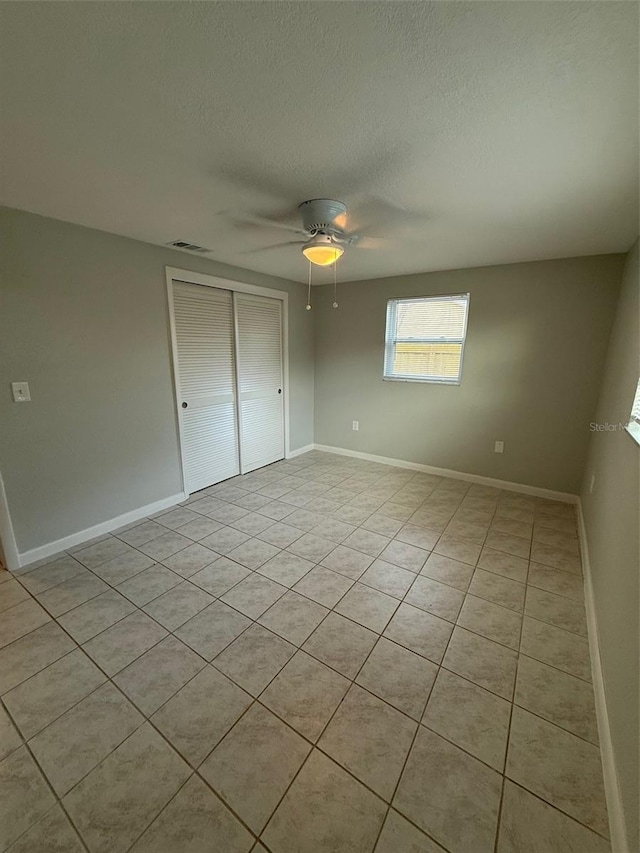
column 634, row 431
column 422, row 381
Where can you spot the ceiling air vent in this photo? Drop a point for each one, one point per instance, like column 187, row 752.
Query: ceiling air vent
column 189, row 247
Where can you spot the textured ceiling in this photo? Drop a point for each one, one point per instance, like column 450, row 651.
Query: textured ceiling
column 512, row 127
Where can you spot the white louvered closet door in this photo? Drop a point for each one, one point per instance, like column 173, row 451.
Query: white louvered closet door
column 207, row 407
column 259, row 335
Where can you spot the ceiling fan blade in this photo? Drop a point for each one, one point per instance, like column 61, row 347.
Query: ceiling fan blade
column 273, row 246
column 387, row 160
column 246, row 174
column 369, row 242
column 256, row 221
column 375, row 215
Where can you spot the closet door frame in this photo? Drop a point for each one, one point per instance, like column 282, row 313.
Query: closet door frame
column 189, row 277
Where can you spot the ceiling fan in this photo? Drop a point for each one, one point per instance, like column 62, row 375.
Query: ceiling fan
column 328, row 228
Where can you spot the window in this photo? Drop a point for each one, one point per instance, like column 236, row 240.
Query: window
column 425, row 338
column 633, row 427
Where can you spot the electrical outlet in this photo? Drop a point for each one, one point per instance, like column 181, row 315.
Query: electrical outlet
column 499, row 447
column 592, row 483
column 356, row 426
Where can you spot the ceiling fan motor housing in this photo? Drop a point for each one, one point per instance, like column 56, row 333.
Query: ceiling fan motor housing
column 323, row 215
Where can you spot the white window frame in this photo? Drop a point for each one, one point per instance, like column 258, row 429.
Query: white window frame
column 390, row 340
column 633, row 427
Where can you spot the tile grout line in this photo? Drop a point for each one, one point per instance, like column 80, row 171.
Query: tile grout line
column 409, row 751
column 57, row 799
column 314, row 744
column 298, row 647
column 219, row 597
column 512, row 705
column 145, row 719
column 256, row 699
column 356, row 581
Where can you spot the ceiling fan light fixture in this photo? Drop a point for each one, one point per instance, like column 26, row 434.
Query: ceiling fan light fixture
column 322, row 251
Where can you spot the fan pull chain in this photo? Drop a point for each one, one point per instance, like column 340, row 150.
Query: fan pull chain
column 335, row 284
column 309, row 289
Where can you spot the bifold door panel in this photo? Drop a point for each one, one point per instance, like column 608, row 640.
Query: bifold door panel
column 204, row 332
column 259, row 331
column 229, row 382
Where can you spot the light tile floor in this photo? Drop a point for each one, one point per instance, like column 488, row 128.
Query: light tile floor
column 325, row 655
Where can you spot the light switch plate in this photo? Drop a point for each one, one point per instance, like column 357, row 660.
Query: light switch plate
column 499, row 447
column 20, row 391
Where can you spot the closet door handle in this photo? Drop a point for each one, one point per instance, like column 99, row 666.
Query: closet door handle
column 279, row 390
column 185, row 405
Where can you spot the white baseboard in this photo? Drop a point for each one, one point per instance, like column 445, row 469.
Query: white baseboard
column 456, row 475
column 617, row 828
column 81, row 536
column 293, row 453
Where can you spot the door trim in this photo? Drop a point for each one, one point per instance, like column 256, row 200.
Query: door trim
column 236, row 363
column 187, row 276
column 8, row 545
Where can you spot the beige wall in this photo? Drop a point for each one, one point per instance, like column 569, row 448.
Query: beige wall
column 612, row 521
column 83, row 318
column 535, row 346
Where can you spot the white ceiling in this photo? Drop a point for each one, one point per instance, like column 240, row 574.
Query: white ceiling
column 512, row 126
